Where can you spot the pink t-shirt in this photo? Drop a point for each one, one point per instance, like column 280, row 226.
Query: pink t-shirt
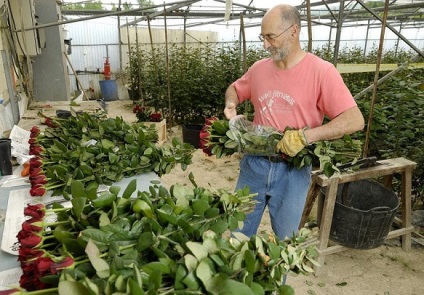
column 297, row 97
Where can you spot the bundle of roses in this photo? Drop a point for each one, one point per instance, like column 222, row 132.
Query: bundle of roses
column 96, row 150
column 217, row 138
column 159, row 242
column 146, row 114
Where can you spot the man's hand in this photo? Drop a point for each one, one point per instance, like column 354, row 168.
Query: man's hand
column 292, row 142
column 230, row 110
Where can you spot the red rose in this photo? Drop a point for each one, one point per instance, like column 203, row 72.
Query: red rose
column 26, row 254
column 209, row 121
column 68, row 262
column 38, row 190
column 31, row 241
column 155, row 117
column 204, row 140
column 39, row 179
column 35, row 131
column 32, row 141
column 49, row 122
column 44, row 264
column 29, row 225
column 38, row 210
column 205, row 135
column 35, row 150
column 35, row 172
column 35, row 162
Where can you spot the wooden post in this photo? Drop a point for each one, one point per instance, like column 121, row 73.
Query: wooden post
column 76, row 76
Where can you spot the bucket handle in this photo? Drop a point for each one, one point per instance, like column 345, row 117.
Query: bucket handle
column 381, row 209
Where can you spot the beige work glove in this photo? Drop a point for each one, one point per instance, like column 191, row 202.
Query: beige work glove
column 292, row 142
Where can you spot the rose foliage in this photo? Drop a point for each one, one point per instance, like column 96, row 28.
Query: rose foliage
column 159, row 242
column 95, row 150
column 220, row 138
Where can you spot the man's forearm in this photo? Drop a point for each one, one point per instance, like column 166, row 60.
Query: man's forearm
column 231, row 96
column 346, row 123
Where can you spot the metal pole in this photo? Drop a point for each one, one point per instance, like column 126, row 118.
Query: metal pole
column 167, row 69
column 338, row 33
column 308, row 11
column 366, row 39
column 377, row 71
column 119, row 37
column 392, row 29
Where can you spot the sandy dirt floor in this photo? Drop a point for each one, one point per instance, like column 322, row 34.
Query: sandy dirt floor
column 386, row 270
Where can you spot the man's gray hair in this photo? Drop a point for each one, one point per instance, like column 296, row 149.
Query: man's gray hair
column 290, row 15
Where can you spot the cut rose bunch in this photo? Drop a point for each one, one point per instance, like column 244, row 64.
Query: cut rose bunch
column 146, row 114
column 96, row 150
column 159, row 242
column 220, row 138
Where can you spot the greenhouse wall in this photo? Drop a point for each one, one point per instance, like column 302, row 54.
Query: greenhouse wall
column 95, row 40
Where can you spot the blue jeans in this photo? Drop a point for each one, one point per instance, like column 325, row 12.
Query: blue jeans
column 282, row 187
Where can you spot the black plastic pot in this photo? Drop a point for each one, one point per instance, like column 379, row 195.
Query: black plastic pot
column 191, row 134
column 5, row 156
column 363, row 214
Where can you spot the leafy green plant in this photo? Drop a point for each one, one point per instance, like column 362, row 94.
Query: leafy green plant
column 198, row 79
column 97, row 150
column 159, row 242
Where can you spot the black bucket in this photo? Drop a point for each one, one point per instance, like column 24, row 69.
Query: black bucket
column 363, row 214
column 5, row 156
column 191, row 134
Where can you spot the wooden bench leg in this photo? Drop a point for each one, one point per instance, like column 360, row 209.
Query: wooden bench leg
column 406, row 207
column 310, row 200
column 326, row 219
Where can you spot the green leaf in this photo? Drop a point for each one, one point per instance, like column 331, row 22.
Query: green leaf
column 328, row 169
column 107, row 144
column 78, row 205
column 204, row 271
column 134, row 288
column 130, row 189
column 179, row 275
column 96, row 235
column 200, row 206
column 249, row 261
column 113, row 158
column 220, row 226
column 149, row 268
column 72, row 288
column 219, row 285
column 197, row 249
column 100, row 265
column 182, row 194
column 190, row 262
column 105, row 199
column 77, row 189
column 286, row 290
column 61, row 234
column 145, row 241
column 114, row 189
column 191, row 281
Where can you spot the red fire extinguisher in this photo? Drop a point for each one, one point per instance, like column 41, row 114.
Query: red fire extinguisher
column 106, row 69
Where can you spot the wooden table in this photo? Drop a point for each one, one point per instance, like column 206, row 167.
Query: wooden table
column 384, row 168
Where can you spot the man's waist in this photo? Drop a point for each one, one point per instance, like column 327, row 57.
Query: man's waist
column 275, row 159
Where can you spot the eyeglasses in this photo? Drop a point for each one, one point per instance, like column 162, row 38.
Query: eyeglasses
column 270, row 37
